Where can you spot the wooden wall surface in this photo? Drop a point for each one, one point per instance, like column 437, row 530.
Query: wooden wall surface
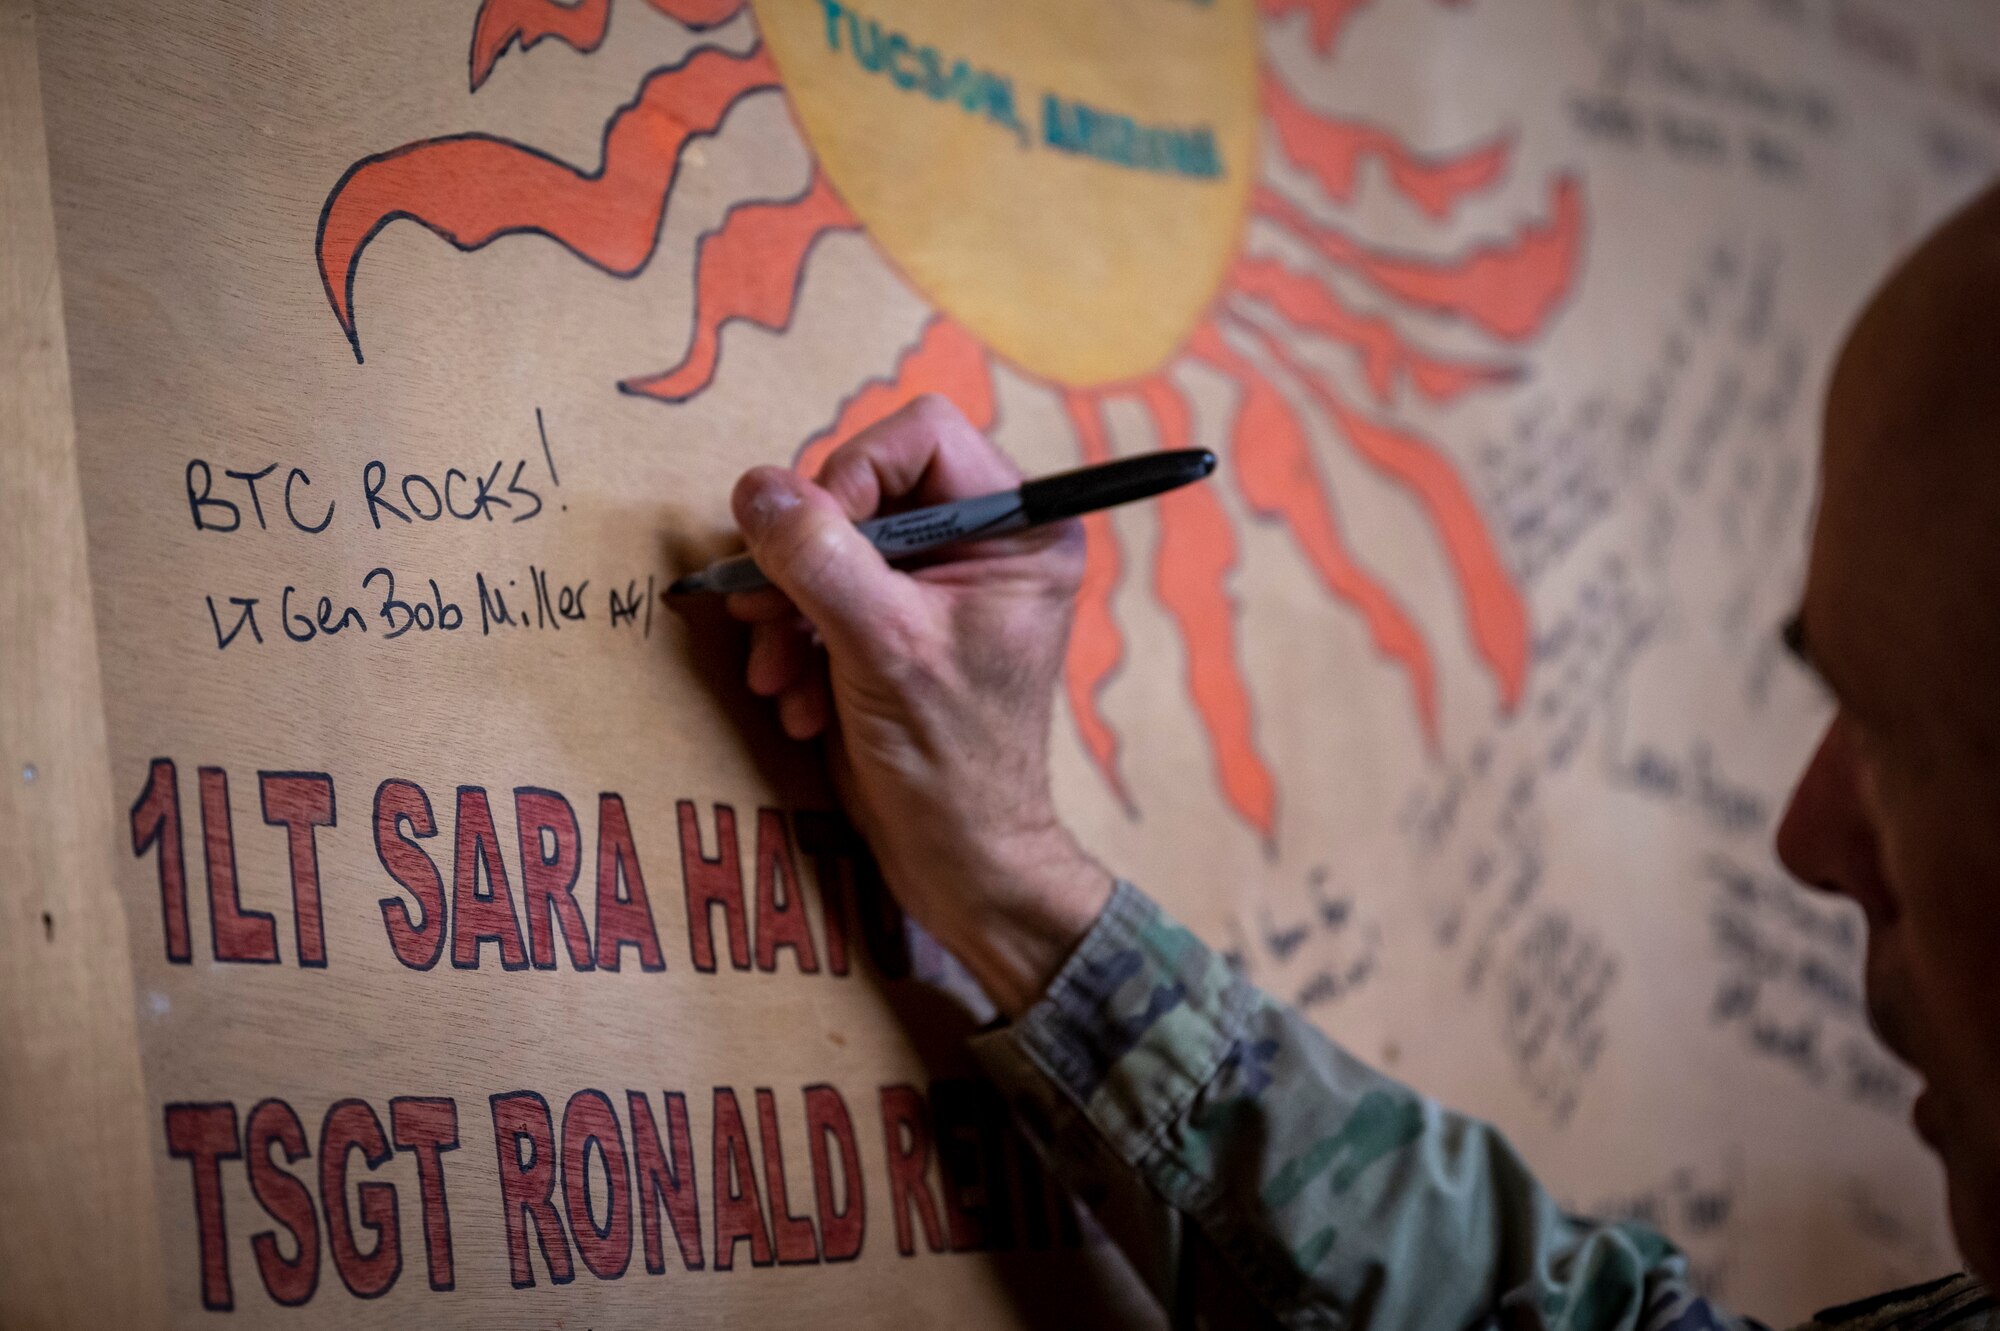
column 388, row 869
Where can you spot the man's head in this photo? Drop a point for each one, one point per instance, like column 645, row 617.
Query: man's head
column 1900, row 807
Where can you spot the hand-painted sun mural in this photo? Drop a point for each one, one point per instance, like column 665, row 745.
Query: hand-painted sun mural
column 1068, row 184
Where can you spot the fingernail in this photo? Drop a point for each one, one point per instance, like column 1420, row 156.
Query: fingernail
column 766, row 495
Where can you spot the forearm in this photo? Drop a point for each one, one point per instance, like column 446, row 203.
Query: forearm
column 1245, row 1156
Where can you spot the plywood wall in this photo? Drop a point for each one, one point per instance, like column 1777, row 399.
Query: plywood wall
column 486, row 957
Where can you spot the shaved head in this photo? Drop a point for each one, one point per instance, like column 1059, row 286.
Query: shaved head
column 1923, row 352
column 1911, row 480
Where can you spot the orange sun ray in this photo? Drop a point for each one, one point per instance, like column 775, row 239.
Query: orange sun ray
column 1332, row 151
column 1096, row 647
column 501, row 23
column 1495, row 613
column 748, row 268
column 1384, row 353
column 1280, row 478
column 580, row 26
column 471, row 189
column 1324, row 18
column 1508, row 288
column 1197, row 550
column 945, row 359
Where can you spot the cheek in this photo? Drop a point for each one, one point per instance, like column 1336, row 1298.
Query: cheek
column 1939, row 841
column 1941, row 864
column 1918, row 825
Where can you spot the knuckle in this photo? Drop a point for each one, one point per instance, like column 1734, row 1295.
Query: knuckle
column 1067, row 555
column 850, row 477
column 939, row 420
column 936, row 412
column 853, row 452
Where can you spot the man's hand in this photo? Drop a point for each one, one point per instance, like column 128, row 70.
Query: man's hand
column 933, row 689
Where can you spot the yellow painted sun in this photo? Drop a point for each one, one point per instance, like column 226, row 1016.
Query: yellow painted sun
column 943, row 151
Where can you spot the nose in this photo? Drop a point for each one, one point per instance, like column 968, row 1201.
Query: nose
column 1827, row 839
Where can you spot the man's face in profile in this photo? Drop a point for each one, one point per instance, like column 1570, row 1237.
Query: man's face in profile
column 1900, row 807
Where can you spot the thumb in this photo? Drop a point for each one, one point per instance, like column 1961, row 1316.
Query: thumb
column 809, row 548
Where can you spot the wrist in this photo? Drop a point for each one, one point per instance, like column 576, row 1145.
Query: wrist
column 1020, row 913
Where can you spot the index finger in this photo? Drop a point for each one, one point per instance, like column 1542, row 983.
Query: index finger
column 925, row 453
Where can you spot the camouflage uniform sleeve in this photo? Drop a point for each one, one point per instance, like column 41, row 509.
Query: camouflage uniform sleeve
column 1257, row 1174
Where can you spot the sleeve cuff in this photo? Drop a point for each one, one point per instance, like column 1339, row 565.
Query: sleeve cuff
column 1133, row 1026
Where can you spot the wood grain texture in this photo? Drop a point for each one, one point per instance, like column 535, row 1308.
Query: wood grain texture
column 80, row 1245
column 1450, row 710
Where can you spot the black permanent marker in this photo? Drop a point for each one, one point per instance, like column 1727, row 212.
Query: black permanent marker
column 1048, row 499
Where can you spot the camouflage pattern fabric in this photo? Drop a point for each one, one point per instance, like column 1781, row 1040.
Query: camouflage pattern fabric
column 1258, row 1175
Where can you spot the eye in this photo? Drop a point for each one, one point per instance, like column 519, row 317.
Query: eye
column 1792, row 633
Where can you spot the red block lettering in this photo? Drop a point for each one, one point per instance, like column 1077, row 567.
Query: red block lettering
column 781, row 910
column 288, row 1201
column 301, row 803
column 668, row 1179
column 624, row 912
column 551, row 858
column 843, row 1227
column 797, row 1245
column 417, row 945
column 206, row 1135
column 238, row 934
column 427, row 1126
column 738, row 1214
column 711, row 882
column 156, row 822
column 588, row 1120
column 907, row 1135
column 351, row 1125
column 522, row 1117
column 481, row 917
